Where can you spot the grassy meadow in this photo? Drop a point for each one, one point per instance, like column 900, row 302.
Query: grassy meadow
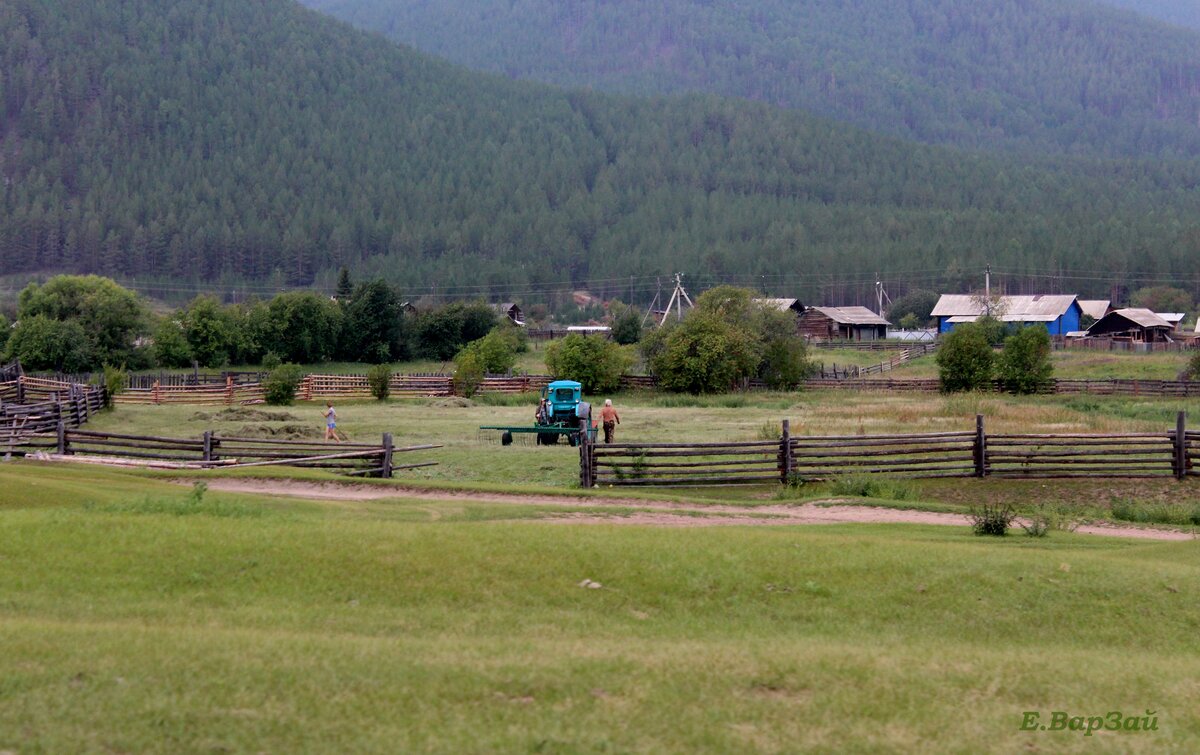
column 139, row 614
column 474, row 459
column 136, row 618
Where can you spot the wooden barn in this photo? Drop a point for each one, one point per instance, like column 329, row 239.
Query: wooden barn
column 842, row 323
column 1137, row 325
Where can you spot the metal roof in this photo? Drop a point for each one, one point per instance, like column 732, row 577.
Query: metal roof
column 783, row 305
column 1095, row 308
column 1172, row 317
column 1039, row 308
column 852, row 315
column 1141, row 317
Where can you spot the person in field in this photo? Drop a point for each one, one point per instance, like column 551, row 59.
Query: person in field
column 330, row 414
column 609, row 419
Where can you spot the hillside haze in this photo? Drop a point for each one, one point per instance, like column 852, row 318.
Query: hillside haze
column 1049, row 76
column 1179, row 12
column 238, row 141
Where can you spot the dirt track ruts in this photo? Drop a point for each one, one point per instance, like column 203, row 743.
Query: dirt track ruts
column 656, row 513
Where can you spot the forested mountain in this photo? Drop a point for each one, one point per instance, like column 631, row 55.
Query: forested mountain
column 194, row 140
column 1053, row 76
column 1179, row 12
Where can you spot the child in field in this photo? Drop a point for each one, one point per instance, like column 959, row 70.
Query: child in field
column 330, row 415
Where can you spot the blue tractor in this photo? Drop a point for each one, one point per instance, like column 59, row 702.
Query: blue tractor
column 560, row 412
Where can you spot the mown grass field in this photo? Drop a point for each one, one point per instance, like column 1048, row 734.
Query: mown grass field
column 473, row 458
column 133, row 621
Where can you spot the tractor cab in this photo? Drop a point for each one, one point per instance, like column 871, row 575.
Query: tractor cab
column 562, row 399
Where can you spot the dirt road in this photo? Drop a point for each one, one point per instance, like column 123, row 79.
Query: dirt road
column 656, row 513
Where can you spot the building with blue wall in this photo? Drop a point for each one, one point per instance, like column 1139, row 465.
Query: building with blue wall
column 1059, row 314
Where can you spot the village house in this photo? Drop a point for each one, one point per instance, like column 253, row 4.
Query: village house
column 842, row 323
column 1136, row 325
column 1059, row 314
column 512, row 312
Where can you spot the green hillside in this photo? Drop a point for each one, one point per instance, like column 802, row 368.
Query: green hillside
column 1052, row 76
column 262, row 141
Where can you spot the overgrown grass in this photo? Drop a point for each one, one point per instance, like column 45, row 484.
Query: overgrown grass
column 875, row 486
column 1184, row 514
column 424, row 626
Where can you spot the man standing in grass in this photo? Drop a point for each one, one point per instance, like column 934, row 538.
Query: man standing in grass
column 610, row 419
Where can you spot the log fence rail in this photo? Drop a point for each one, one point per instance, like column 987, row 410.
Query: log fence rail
column 967, row 453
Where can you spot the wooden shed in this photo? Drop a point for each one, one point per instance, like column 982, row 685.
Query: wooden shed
column 1139, row 325
column 842, row 323
column 512, row 312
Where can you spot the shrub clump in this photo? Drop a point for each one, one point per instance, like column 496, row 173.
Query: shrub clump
column 594, row 362
column 992, row 519
column 279, row 389
column 965, row 359
column 1024, row 364
column 379, row 378
column 468, row 373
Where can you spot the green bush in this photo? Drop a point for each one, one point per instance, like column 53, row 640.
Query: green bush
column 594, row 361
column 270, row 361
column 1024, row 364
column 965, row 359
column 1192, row 372
column 116, row 380
column 41, row 343
column 468, row 373
column 209, row 331
column 279, row 388
column 992, row 519
column 171, row 347
column 379, row 378
column 112, row 317
column 496, row 352
column 627, row 326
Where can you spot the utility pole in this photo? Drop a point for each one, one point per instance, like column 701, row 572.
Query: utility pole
column 987, row 290
column 678, row 297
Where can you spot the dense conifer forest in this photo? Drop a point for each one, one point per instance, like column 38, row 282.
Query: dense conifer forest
column 262, row 141
column 1052, row 76
column 1178, row 12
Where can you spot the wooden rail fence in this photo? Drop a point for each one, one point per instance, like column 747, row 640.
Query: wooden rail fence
column 226, row 452
column 967, row 453
column 29, row 406
column 319, row 387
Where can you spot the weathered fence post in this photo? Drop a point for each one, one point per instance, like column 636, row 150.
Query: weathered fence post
column 387, row 455
column 229, row 390
column 156, row 393
column 586, row 478
column 62, row 438
column 785, row 453
column 208, row 446
column 980, row 450
column 1181, row 446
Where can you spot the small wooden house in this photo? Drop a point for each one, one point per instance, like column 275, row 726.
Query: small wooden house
column 1137, row 325
column 842, row 323
column 512, row 312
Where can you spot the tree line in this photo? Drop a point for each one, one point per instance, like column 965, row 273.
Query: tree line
column 80, row 323
column 260, row 141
